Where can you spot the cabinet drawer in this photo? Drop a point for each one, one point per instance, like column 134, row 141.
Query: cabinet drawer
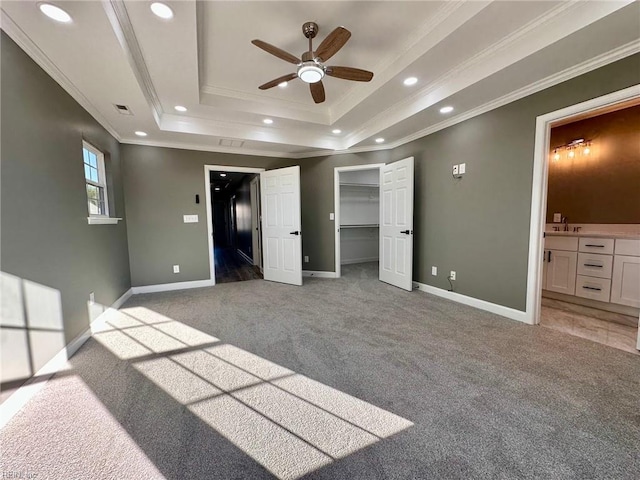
column 593, row 288
column 594, row 265
column 596, row 245
column 626, row 246
column 561, row 243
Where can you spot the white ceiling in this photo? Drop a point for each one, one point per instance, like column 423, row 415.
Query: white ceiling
column 472, row 55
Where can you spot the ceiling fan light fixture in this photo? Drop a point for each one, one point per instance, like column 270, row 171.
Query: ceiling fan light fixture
column 310, row 72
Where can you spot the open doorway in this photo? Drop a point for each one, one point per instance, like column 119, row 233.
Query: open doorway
column 357, row 216
column 236, row 228
column 589, row 221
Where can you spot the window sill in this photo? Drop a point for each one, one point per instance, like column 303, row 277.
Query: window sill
column 103, row 220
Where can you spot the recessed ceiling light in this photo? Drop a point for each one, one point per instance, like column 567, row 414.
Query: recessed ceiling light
column 410, row 81
column 336, row 131
column 162, row 10
column 267, row 121
column 180, row 108
column 223, row 174
column 283, row 84
column 217, row 189
column 55, row 13
column 446, row 109
column 379, row 140
column 141, row 133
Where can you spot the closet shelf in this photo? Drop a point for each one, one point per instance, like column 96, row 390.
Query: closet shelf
column 363, row 185
column 361, row 225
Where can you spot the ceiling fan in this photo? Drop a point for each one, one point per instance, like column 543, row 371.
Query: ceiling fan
column 311, row 68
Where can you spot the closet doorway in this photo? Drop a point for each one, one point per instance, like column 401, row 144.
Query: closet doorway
column 357, row 215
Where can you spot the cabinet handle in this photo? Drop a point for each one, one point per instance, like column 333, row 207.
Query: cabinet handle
column 549, row 257
column 592, row 265
column 597, row 246
column 591, row 288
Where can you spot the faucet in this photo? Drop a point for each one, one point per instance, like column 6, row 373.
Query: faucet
column 565, row 223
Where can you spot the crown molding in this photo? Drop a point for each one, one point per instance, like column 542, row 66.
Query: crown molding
column 531, row 37
column 416, row 45
column 38, row 56
column 209, row 148
column 123, row 29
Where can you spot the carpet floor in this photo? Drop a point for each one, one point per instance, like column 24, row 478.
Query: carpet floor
column 339, row 379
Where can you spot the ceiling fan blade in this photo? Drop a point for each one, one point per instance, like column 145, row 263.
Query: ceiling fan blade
column 349, row 73
column 278, row 81
column 317, row 91
column 334, row 42
column 267, row 47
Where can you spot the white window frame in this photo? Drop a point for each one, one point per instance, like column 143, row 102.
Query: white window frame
column 95, row 219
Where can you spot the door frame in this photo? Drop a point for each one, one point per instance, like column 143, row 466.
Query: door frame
column 336, row 204
column 207, row 190
column 540, row 184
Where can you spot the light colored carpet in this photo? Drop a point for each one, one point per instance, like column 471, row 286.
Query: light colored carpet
column 339, row 379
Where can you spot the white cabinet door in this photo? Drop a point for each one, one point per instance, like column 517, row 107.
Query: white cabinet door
column 396, row 223
column 625, row 281
column 561, row 271
column 281, row 235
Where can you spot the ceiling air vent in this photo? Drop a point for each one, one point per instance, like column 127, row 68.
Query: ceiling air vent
column 230, row 143
column 123, row 109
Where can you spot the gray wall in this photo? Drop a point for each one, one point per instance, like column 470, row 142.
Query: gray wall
column 478, row 226
column 160, row 186
column 603, row 186
column 45, row 237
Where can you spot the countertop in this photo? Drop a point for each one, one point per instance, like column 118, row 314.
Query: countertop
column 629, row 236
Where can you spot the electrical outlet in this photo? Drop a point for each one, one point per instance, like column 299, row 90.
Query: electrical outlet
column 455, row 169
column 92, row 297
column 176, row 269
column 434, row 271
column 332, row 216
column 452, row 275
column 306, row 259
column 557, row 217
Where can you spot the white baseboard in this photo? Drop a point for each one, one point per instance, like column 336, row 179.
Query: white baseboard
column 31, row 387
column 313, row 273
column 508, row 312
column 245, row 256
column 167, row 287
column 359, row 260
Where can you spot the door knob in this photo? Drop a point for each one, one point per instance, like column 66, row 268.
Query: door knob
column 407, row 232
column 294, row 233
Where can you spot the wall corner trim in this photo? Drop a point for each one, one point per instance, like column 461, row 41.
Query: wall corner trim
column 167, row 287
column 37, row 382
column 318, row 274
column 501, row 310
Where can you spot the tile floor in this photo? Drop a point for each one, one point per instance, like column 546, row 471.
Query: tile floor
column 564, row 318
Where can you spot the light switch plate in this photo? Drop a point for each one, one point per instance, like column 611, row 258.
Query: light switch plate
column 452, row 276
column 332, row 216
column 434, row 271
column 306, row 259
column 190, row 218
column 176, row 269
column 462, row 169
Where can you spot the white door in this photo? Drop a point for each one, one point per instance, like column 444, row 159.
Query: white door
column 281, row 232
column 396, row 223
column 561, row 271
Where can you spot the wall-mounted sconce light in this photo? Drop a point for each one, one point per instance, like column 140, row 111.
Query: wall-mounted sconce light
column 572, row 148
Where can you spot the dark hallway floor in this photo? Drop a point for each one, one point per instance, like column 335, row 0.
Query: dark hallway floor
column 231, row 267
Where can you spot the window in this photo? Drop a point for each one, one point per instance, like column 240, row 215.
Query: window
column 96, row 180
